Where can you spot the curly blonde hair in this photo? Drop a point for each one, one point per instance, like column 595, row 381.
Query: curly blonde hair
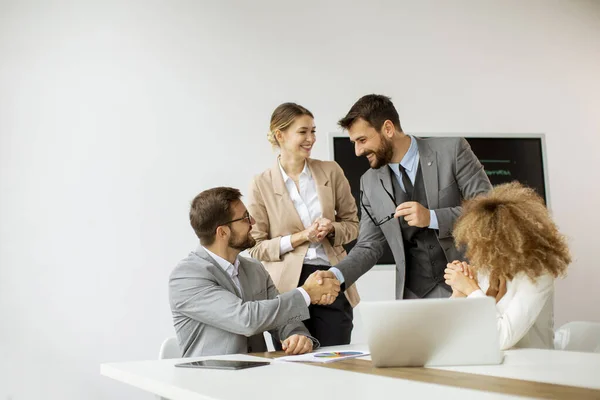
column 508, row 231
column 284, row 115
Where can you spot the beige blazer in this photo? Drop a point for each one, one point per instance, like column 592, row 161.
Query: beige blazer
column 272, row 208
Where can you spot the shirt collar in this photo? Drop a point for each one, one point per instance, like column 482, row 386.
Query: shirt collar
column 305, row 171
column 231, row 269
column 409, row 159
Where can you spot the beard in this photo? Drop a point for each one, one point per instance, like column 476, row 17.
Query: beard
column 383, row 155
column 241, row 242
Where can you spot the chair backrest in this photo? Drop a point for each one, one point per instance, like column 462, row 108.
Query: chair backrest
column 578, row 336
column 169, row 349
column 269, row 341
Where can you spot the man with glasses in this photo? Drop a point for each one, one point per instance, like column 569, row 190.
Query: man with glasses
column 410, row 198
column 221, row 302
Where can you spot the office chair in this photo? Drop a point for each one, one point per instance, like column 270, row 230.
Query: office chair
column 578, row 336
column 169, row 349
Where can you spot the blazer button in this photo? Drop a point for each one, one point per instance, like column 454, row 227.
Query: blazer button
column 430, row 247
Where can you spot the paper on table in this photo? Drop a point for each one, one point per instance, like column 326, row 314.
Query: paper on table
column 325, row 356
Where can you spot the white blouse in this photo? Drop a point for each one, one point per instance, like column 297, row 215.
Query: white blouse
column 525, row 314
column 307, row 204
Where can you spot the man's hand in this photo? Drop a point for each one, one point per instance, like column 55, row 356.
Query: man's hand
column 297, row 344
column 414, row 214
column 324, row 228
column 326, row 299
column 458, row 280
column 321, row 283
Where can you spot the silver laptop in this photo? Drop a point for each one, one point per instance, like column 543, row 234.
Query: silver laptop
column 431, row 332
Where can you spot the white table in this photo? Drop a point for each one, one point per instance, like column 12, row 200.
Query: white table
column 300, row 381
column 549, row 366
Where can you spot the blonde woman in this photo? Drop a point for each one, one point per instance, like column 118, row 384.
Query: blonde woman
column 304, row 213
column 516, row 252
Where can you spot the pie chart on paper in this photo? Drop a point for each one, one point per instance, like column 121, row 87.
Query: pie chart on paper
column 338, row 354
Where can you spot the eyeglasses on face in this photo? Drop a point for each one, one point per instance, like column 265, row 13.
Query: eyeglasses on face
column 246, row 216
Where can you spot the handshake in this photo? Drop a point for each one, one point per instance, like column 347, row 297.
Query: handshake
column 322, row 287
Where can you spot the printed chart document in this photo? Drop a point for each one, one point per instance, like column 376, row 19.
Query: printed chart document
column 324, row 357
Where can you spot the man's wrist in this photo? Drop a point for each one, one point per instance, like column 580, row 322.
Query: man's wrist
column 305, row 294
column 338, row 274
column 433, row 221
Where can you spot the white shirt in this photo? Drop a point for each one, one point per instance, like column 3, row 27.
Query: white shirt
column 233, row 270
column 306, row 202
column 525, row 314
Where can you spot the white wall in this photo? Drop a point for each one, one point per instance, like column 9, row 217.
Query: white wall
column 113, row 115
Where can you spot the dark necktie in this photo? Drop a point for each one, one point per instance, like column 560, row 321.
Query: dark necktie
column 408, row 186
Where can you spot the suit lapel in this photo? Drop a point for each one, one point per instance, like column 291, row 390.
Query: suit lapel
column 244, row 283
column 324, row 191
column 428, row 163
column 218, row 272
column 385, row 175
column 282, row 196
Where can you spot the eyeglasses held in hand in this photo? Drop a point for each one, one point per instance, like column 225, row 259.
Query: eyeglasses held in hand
column 386, row 219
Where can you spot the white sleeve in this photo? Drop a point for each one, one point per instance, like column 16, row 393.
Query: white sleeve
column 476, row 293
column 285, row 245
column 305, row 295
column 523, row 309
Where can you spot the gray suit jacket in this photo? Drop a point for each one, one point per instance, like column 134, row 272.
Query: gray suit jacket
column 451, row 173
column 211, row 316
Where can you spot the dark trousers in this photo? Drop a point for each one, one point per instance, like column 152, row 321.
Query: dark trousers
column 331, row 325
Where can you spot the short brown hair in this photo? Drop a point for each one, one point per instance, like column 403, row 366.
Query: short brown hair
column 210, row 209
column 284, row 116
column 509, row 230
column 373, row 108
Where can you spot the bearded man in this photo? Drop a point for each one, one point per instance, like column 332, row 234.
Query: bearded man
column 222, row 303
column 410, row 199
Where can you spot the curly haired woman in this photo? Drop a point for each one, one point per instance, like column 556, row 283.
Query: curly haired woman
column 516, row 252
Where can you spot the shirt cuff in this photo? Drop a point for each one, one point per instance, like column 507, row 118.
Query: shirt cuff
column 338, row 274
column 476, row 293
column 285, row 245
column 305, row 295
column 433, row 221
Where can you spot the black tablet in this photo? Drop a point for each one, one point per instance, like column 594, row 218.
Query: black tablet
column 223, row 364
